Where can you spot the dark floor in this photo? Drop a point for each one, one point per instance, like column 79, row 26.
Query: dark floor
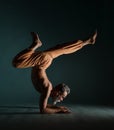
column 82, row 118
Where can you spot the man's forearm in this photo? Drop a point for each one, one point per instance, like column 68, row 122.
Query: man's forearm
column 51, row 109
column 48, row 110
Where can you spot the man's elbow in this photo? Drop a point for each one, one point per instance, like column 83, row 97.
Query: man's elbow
column 44, row 111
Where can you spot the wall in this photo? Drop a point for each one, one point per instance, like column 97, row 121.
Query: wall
column 88, row 72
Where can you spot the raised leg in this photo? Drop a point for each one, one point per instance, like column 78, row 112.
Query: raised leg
column 25, row 58
column 70, row 47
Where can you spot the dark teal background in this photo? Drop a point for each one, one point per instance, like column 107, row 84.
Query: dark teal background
column 89, row 72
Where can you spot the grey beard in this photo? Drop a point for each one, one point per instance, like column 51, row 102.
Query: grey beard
column 55, row 101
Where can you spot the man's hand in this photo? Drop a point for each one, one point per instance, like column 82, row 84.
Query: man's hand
column 64, row 109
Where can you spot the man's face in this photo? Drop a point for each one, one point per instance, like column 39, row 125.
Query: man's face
column 59, row 97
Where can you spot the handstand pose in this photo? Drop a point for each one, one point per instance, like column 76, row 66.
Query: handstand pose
column 40, row 61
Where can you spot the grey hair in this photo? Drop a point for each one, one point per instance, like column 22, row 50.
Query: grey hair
column 63, row 87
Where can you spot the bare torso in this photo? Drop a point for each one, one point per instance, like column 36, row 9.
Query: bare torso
column 39, row 79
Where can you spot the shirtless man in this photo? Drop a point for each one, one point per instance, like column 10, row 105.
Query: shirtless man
column 40, row 61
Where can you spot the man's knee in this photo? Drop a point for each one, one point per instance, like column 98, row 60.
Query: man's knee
column 21, row 60
column 15, row 63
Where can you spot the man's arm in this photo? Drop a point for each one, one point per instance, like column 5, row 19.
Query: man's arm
column 59, row 109
column 45, row 108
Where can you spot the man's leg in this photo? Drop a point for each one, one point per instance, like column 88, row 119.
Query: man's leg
column 70, row 47
column 24, row 58
column 36, row 41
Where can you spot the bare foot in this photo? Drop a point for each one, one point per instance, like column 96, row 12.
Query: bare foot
column 93, row 38
column 36, row 41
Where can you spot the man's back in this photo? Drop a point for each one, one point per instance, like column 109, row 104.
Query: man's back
column 39, row 79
